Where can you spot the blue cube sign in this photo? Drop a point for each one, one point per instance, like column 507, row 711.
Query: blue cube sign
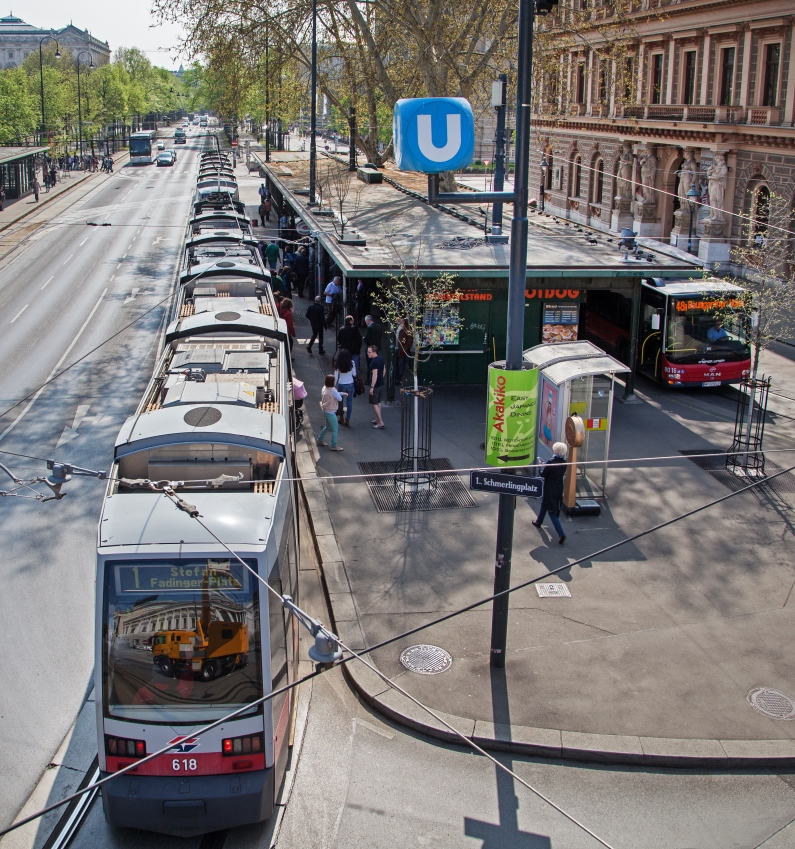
column 433, row 134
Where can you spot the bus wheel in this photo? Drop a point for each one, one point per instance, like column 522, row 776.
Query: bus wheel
column 209, row 670
column 167, row 668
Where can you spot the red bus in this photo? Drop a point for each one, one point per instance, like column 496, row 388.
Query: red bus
column 686, row 336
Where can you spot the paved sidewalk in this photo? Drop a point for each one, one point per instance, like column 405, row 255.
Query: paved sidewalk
column 651, row 659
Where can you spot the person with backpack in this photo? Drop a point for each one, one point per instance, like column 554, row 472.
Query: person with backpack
column 330, row 400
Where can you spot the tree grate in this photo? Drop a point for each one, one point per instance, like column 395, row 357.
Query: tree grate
column 716, row 466
column 449, row 493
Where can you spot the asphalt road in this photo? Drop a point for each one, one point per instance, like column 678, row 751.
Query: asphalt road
column 68, row 288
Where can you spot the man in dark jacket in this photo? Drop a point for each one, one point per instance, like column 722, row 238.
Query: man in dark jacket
column 317, row 318
column 553, row 473
column 301, row 268
column 374, row 333
column 350, row 338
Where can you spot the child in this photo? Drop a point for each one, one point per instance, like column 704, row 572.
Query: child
column 329, row 403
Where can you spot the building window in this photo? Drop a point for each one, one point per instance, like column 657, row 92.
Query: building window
column 727, row 76
column 577, row 182
column 761, row 214
column 772, row 63
column 629, row 78
column 599, row 183
column 10, row 54
column 602, row 81
column 656, row 77
column 580, row 93
column 690, row 78
column 550, row 170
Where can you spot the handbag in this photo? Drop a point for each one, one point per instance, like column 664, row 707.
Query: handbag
column 358, row 386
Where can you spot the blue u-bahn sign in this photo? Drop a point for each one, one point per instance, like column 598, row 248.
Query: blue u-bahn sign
column 433, row 134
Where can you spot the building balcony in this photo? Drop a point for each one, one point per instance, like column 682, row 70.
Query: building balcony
column 758, row 116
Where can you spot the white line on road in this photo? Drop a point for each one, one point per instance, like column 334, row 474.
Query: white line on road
column 41, row 389
column 67, row 259
column 112, row 278
column 125, row 256
column 118, row 266
column 19, row 313
column 48, row 282
column 129, row 247
column 83, row 242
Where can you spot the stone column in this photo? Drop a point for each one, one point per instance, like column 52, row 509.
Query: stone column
column 689, row 174
column 647, row 219
column 625, row 186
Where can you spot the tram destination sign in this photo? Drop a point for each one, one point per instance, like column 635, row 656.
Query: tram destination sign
column 503, row 484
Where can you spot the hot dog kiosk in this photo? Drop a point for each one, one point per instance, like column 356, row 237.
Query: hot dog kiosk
column 576, row 378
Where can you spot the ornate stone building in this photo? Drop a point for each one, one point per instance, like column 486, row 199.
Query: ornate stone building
column 19, row 39
column 710, row 103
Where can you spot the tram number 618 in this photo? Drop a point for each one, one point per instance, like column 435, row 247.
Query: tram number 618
column 186, row 764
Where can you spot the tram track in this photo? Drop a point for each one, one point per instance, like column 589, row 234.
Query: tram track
column 75, row 814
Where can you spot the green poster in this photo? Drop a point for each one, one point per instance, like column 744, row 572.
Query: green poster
column 511, row 423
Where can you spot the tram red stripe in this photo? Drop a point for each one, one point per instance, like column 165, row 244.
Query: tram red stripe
column 207, row 763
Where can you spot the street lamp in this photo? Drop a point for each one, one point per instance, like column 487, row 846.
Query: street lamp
column 692, row 198
column 41, row 75
column 313, row 113
column 544, row 169
column 79, row 104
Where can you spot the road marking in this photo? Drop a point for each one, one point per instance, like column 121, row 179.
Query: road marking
column 129, row 247
column 48, row 282
column 370, row 727
column 19, row 313
column 118, row 266
column 67, row 259
column 132, row 297
column 83, row 242
column 112, row 278
column 70, row 433
column 65, row 354
column 125, row 256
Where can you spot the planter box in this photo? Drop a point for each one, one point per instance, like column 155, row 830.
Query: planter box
column 369, row 175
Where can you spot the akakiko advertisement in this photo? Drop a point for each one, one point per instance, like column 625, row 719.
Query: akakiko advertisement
column 511, row 422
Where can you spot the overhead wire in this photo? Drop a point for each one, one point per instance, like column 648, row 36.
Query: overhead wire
column 410, row 632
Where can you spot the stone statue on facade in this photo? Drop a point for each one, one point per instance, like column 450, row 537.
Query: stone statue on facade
column 688, row 175
column 648, row 171
column 717, row 175
column 625, row 164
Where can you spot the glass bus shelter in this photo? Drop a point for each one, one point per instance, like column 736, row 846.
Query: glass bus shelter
column 576, row 377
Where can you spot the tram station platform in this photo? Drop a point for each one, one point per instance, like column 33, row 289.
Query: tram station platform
column 655, row 654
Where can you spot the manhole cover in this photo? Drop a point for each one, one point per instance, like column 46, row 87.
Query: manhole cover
column 226, row 264
column 772, row 703
column 202, row 416
column 427, row 660
column 553, row 591
column 227, row 316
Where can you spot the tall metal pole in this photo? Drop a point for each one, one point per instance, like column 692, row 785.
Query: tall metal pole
column 79, row 112
column 352, row 135
column 516, row 288
column 499, row 157
column 267, row 106
column 313, row 114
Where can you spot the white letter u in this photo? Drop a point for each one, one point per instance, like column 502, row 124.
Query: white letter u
column 425, row 139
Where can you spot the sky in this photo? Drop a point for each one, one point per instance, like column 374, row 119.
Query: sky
column 121, row 24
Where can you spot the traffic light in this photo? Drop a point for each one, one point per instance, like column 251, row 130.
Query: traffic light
column 544, row 7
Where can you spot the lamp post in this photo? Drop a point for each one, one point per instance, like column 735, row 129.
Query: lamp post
column 692, row 198
column 267, row 103
column 79, row 101
column 41, row 76
column 544, row 169
column 313, row 113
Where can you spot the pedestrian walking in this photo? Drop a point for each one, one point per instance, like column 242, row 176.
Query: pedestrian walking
column 345, row 378
column 2, row 197
column 263, row 192
column 349, row 338
column 405, row 342
column 329, row 402
column 272, row 254
column 552, row 500
column 284, row 226
column 301, row 268
column 262, row 211
column 362, row 297
column 374, row 334
column 375, row 380
column 317, row 316
column 36, row 189
column 331, row 292
column 286, row 312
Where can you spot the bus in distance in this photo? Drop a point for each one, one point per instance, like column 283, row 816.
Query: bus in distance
column 143, row 147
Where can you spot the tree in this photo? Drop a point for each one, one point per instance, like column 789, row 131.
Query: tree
column 335, row 183
column 18, row 114
column 427, row 307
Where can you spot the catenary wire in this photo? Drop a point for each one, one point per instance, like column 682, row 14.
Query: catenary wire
column 390, row 640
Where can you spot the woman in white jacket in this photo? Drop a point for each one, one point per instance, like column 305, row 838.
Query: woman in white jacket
column 329, row 402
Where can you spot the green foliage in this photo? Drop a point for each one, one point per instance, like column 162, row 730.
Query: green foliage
column 17, row 106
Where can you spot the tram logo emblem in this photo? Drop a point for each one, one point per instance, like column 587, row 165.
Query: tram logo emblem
column 183, row 745
column 433, row 134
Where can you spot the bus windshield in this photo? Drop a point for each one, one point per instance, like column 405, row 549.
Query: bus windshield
column 698, row 330
column 140, row 146
column 181, row 640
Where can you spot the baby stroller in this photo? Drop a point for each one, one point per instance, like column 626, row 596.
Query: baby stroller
column 299, row 393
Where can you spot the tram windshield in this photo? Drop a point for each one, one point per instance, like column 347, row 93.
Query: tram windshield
column 700, row 330
column 181, row 639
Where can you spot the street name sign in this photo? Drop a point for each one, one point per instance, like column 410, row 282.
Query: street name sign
column 511, row 417
column 525, row 487
column 433, row 134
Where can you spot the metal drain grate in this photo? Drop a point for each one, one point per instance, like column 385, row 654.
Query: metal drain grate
column 716, row 466
column 774, row 704
column 553, row 591
column 450, row 491
column 427, row 660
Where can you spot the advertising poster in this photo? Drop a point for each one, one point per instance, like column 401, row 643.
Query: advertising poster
column 548, row 417
column 560, row 323
column 511, row 419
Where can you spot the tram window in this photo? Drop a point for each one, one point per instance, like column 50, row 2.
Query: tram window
column 180, row 677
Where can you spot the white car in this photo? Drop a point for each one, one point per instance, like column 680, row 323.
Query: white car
column 166, row 158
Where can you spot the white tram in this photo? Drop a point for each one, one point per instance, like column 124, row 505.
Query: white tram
column 184, row 634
